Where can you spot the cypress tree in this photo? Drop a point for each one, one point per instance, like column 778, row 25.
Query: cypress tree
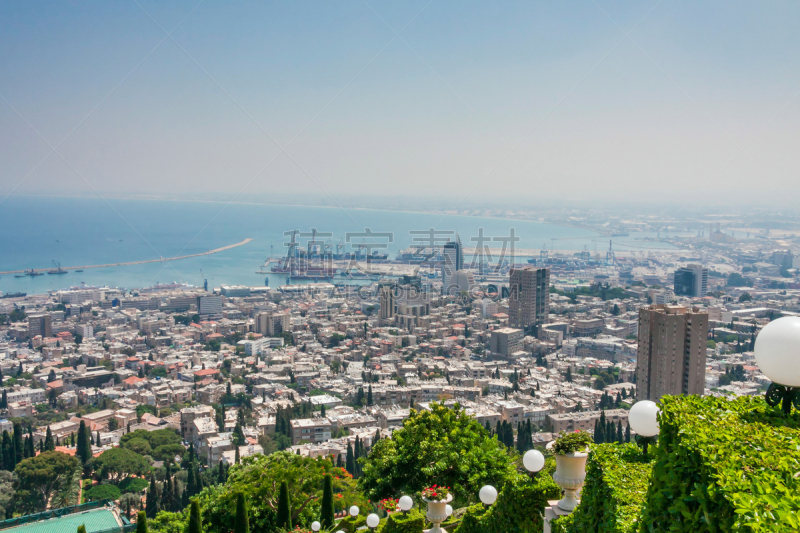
column 220, row 474
column 176, row 498
column 236, row 457
column 350, row 459
column 628, row 433
column 195, row 520
column 619, row 432
column 82, row 528
column 5, row 400
column 327, row 510
column 241, row 525
column 152, row 496
column 369, row 395
column 8, row 461
column 141, row 522
column 191, row 482
column 18, row 446
column 166, row 500
column 49, row 445
column 284, row 512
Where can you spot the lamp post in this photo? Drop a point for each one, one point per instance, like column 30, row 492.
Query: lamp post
column 533, row 461
column 405, row 503
column 488, row 495
column 776, row 350
column 643, row 419
column 373, row 521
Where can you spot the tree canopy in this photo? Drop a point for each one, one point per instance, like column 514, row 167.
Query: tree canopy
column 117, row 464
column 438, row 446
column 260, row 476
column 39, row 475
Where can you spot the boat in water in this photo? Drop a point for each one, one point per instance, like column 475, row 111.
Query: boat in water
column 58, row 269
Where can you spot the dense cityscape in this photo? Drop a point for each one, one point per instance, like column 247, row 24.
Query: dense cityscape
column 159, row 392
column 399, row 267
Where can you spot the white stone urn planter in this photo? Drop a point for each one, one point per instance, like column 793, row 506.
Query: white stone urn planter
column 437, row 513
column 570, row 474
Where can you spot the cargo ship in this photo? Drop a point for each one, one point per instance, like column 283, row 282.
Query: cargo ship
column 310, row 266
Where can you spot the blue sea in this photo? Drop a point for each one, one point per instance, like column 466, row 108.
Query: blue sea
column 35, row 231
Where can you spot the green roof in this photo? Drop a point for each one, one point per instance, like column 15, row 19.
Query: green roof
column 95, row 520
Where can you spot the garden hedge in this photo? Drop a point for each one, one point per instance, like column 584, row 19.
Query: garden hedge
column 519, row 507
column 724, row 466
column 412, row 521
column 617, row 478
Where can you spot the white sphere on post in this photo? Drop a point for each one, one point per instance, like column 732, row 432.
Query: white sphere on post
column 488, row 495
column 405, row 503
column 776, row 351
column 533, row 460
column 448, row 509
column 354, row 510
column 373, row 521
column 643, row 418
column 315, row 526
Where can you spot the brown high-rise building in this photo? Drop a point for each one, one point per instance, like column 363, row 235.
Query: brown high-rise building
column 529, row 297
column 672, row 351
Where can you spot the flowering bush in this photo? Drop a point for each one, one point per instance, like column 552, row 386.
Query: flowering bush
column 436, row 493
column 389, row 505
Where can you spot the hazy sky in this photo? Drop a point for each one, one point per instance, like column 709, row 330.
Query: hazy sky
column 669, row 100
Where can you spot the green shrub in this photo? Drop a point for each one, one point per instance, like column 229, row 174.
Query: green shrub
column 617, row 477
column 412, row 521
column 104, row 491
column 133, row 484
column 724, row 466
column 564, row 524
column 350, row 524
column 519, row 507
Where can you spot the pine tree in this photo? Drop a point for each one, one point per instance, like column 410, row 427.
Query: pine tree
column 141, row 522
column 284, row 513
column 49, row 445
column 241, row 525
column 327, row 510
column 195, row 520
column 152, row 494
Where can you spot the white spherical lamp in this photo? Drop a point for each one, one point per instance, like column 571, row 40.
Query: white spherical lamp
column 643, row 418
column 405, row 503
column 354, row 510
column 488, row 495
column 778, row 351
column 448, row 509
column 315, row 526
column 533, row 460
column 373, row 521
